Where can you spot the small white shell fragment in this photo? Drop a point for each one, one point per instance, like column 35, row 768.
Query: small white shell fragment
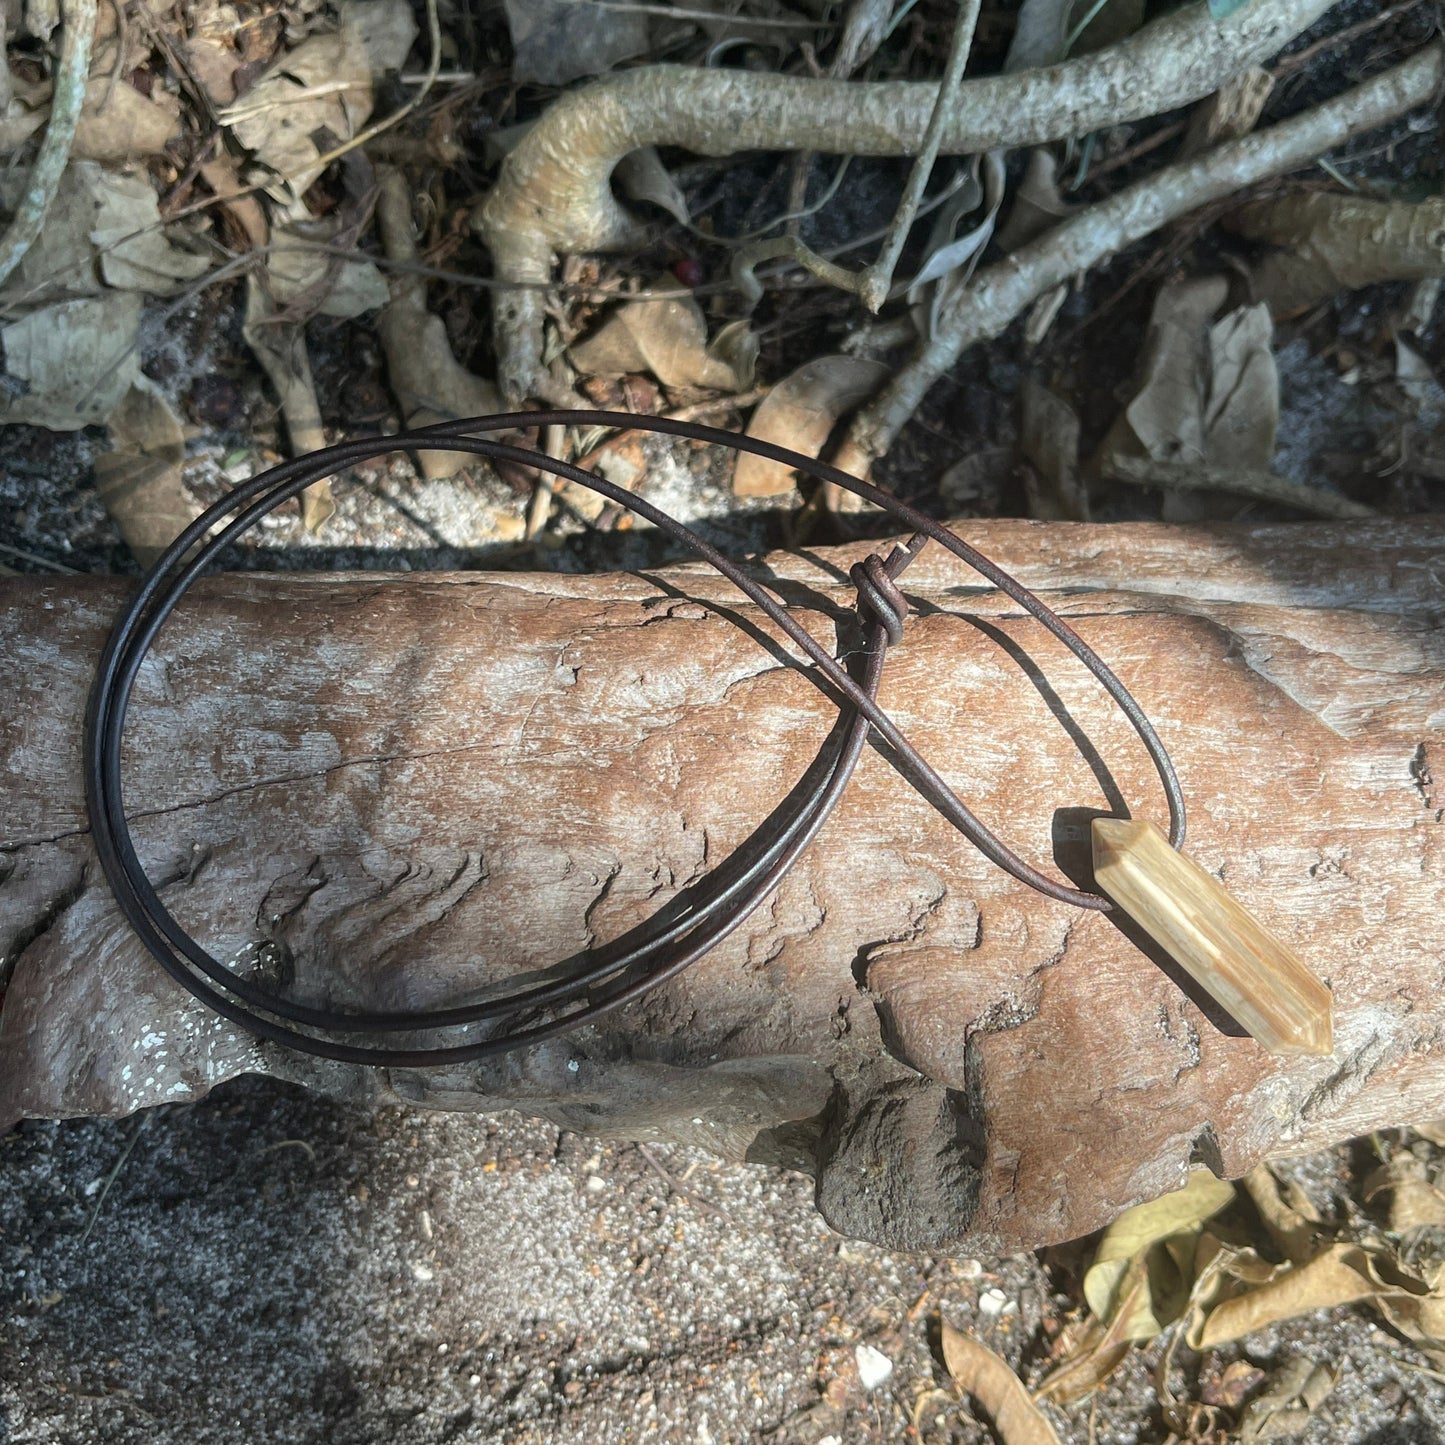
column 992, row 1303
column 874, row 1367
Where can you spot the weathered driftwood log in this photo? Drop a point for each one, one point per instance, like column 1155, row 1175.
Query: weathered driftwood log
column 396, row 789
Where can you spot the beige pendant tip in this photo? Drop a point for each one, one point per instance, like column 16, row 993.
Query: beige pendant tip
column 1257, row 979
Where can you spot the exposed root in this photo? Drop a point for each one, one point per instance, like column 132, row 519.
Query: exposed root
column 429, row 382
column 1002, row 292
column 553, row 193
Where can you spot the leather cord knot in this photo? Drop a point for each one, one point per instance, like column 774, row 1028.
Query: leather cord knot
column 879, row 598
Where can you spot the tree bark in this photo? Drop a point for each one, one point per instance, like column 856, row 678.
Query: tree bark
column 394, row 790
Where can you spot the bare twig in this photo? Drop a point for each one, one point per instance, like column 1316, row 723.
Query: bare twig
column 1262, row 486
column 710, row 17
column 676, row 1186
column 78, row 19
column 748, row 257
column 1301, row 58
column 1002, row 292
column 114, row 1174
column 22, row 555
column 878, row 278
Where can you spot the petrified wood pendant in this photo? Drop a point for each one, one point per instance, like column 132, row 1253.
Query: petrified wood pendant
column 1227, row 951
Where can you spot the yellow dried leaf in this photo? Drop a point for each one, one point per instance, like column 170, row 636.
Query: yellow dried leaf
column 1163, row 1230
column 668, row 337
column 1290, row 1218
column 1414, row 1201
column 975, row 1368
column 1285, row 1409
column 1342, row 1274
column 800, row 412
column 1100, row 1350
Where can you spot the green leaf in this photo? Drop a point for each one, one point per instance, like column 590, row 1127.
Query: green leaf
column 1222, row 9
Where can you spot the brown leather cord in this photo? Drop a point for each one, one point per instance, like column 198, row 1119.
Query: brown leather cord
column 608, row 978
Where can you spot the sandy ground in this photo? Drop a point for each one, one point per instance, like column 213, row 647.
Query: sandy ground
column 272, row 1267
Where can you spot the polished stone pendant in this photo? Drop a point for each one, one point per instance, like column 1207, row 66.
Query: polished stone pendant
column 1227, row 951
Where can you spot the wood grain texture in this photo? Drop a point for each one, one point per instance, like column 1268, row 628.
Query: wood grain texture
column 394, row 789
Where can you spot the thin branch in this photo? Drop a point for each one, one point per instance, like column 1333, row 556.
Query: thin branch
column 78, row 18
column 790, row 247
column 1302, row 58
column 710, row 17
column 1262, row 486
column 878, row 278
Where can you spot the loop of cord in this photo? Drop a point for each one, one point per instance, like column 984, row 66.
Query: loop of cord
column 605, row 979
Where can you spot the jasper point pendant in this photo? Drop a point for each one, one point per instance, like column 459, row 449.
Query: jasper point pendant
column 1226, row 950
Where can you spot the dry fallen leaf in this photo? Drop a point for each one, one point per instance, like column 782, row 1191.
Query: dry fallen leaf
column 1339, row 1275
column 26, row 104
column 118, row 123
column 1241, row 414
column 1417, row 380
column 139, row 478
column 641, row 176
column 322, row 282
column 669, row 339
column 320, row 89
column 388, row 30
column 1100, row 1345
column 1209, row 393
column 1294, row 1224
column 1043, row 29
column 554, row 41
column 1049, row 441
column 1037, row 203
column 1163, row 1233
column 102, row 230
column 1285, row 1409
column 800, row 412
column 1166, row 416
column 1415, row 1201
column 76, row 361
column 975, row 1368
